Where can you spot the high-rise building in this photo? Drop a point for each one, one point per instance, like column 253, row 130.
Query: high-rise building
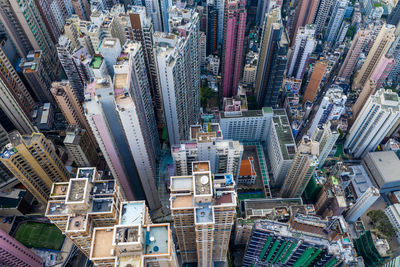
column 331, row 200
column 272, row 60
column 153, row 12
column 179, row 81
column 135, row 111
column 395, row 52
column 82, row 9
column 102, row 115
column 110, row 48
column 70, row 107
column 80, row 147
column 6, row 176
column 134, row 241
column 353, row 54
column 212, row 30
column 331, row 108
column 322, row 15
column 362, row 204
column 336, row 19
column 232, row 50
column 143, row 33
column 300, row 172
column 13, row 253
column 165, row 5
column 84, row 202
column 281, row 147
column 71, row 65
column 304, row 240
column 31, row 23
column 54, row 13
column 304, row 45
column 315, row 80
column 12, row 83
column 368, row 89
column 326, row 135
column 377, row 117
column 381, row 46
column 394, row 16
column 203, row 208
column 305, row 15
column 33, row 160
column 382, row 70
column 224, row 155
column 249, row 125
column 35, row 73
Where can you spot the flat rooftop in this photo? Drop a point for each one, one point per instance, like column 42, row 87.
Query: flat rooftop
column 120, row 80
column 88, row 173
column 127, row 234
column 387, row 164
column 55, row 208
column 204, row 214
column 96, row 62
column 132, row 213
column 103, row 188
column 77, row 223
column 181, row 183
column 157, row 242
column 182, row 201
column 59, row 190
column 102, row 205
column 202, row 183
column 224, row 198
column 77, row 187
column 102, row 243
column 201, row 166
column 284, row 133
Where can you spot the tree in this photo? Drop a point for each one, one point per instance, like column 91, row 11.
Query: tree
column 205, row 94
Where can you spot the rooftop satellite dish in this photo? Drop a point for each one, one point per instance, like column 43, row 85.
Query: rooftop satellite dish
column 204, row 179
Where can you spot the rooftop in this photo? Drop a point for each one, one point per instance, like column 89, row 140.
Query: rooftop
column 202, row 183
column 387, row 164
column 77, row 222
column 127, row 234
column 76, row 190
column 284, row 132
column 132, row 213
column 179, row 201
column 55, row 208
column 157, row 240
column 102, row 205
column 102, row 243
column 59, row 190
column 204, row 214
column 103, row 187
column 201, row 166
column 88, row 173
column 96, row 62
column 181, row 183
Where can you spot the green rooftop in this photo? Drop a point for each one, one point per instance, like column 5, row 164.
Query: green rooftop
column 284, row 132
column 391, row 97
column 96, row 62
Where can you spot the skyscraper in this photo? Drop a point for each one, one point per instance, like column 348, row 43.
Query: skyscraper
column 153, row 11
column 376, row 118
column 304, row 45
column 71, row 107
column 368, row 90
column 272, row 60
column 305, row 14
column 33, row 68
column 177, row 58
column 381, row 46
column 303, row 165
column 143, row 33
column 394, row 16
column 82, row 9
column 135, row 111
column 71, row 65
column 80, row 147
column 232, row 50
column 24, row 157
column 203, row 208
column 13, row 253
column 315, row 80
column 338, row 11
column 212, row 29
column 395, row 52
column 353, row 54
column 326, row 135
column 322, row 15
column 101, row 114
column 382, row 70
column 31, row 23
column 15, row 87
column 331, row 108
column 362, row 204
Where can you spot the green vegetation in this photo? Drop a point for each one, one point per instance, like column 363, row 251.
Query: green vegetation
column 40, row 235
column 206, row 93
column 351, row 31
column 377, row 5
column 381, row 223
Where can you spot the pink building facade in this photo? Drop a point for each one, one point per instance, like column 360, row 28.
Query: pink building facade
column 13, row 253
column 233, row 38
column 382, row 70
column 353, row 55
column 305, row 13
